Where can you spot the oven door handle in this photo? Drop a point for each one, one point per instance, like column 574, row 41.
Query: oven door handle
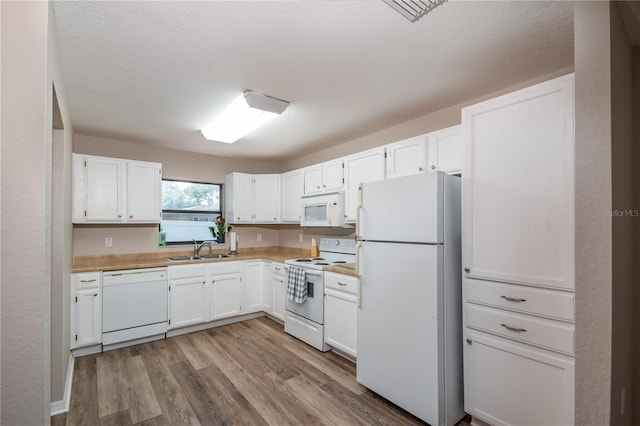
column 315, row 274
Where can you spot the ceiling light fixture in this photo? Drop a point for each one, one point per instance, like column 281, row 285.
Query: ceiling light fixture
column 414, row 9
column 245, row 114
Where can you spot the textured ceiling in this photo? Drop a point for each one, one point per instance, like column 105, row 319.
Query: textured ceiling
column 156, row 72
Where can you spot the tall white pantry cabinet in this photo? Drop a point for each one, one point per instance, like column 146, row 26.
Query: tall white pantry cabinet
column 518, row 256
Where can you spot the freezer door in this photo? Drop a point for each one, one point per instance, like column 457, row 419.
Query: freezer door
column 404, row 209
column 400, row 351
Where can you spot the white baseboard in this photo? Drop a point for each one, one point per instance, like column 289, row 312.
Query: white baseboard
column 59, row 407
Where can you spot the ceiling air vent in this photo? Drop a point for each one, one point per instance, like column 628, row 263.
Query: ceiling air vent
column 414, row 9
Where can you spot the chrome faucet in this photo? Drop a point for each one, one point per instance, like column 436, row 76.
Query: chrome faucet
column 197, row 248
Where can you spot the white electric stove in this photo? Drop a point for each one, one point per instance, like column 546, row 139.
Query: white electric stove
column 305, row 321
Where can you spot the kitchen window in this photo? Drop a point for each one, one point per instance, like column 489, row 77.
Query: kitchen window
column 188, row 209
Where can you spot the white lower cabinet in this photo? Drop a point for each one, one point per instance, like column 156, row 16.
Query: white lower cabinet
column 86, row 309
column 279, row 277
column 187, row 295
column 267, row 288
column 340, row 312
column 253, row 286
column 528, row 386
column 225, row 290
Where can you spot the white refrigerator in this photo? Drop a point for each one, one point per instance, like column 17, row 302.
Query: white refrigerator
column 410, row 312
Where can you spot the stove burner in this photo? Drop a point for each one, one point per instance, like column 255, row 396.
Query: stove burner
column 321, row 263
column 317, row 258
column 303, row 260
column 339, row 261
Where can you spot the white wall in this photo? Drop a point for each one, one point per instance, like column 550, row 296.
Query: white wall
column 61, row 229
column 593, row 200
column 25, row 256
column 622, row 227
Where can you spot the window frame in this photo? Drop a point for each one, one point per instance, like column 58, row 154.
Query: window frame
column 207, row 212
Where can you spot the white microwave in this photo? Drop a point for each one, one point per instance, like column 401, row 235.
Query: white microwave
column 326, row 209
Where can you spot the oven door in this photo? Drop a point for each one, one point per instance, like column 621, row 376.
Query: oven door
column 313, row 308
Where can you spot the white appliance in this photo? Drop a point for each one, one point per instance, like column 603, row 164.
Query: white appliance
column 410, row 318
column 305, row 321
column 326, row 209
column 134, row 305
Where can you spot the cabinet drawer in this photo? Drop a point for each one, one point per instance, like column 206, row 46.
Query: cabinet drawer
column 341, row 282
column 186, row 271
column 225, row 268
column 89, row 279
column 530, row 300
column 541, row 332
column 279, row 269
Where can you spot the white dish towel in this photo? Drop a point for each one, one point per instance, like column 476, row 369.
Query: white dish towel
column 296, row 285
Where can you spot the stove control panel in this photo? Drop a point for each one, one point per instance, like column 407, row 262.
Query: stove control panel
column 338, row 245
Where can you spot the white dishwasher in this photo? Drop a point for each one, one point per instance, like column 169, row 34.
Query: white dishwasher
column 134, row 305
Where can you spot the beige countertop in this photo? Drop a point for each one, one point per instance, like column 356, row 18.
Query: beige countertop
column 115, row 262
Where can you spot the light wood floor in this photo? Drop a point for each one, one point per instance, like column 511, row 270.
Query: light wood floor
column 240, row 374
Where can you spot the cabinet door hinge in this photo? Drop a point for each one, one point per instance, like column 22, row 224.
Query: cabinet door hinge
column 169, row 288
column 76, row 299
column 85, row 213
column 169, row 321
column 342, row 180
column 76, row 337
column 385, row 154
column 85, row 163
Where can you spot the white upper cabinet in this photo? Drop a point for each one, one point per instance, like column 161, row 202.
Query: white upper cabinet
column 292, row 184
column 113, row 190
column 144, row 191
column 324, row 177
column 445, row 150
column 407, row 157
column 252, row 198
column 367, row 166
column 99, row 189
column 518, row 200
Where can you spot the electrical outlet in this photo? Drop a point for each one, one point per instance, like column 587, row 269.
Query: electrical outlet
column 300, row 237
column 108, row 242
column 259, row 237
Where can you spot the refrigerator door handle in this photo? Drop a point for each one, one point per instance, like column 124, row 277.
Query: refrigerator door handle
column 359, row 295
column 358, row 208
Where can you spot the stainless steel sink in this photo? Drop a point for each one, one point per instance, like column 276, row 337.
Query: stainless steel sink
column 183, row 258
column 214, row 256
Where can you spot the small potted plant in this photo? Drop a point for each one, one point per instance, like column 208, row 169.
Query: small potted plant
column 219, row 229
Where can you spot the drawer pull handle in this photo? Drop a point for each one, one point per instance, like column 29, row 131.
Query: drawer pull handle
column 88, row 281
column 342, row 284
column 516, row 329
column 513, row 299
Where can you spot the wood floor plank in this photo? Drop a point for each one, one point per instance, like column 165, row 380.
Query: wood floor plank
column 83, row 406
column 236, row 408
column 249, row 373
column 320, row 402
column 196, row 392
column 267, row 404
column 143, row 404
column 59, row 419
column 112, row 397
column 316, row 359
column 189, row 344
column 121, row 418
column 172, row 401
column 369, row 407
